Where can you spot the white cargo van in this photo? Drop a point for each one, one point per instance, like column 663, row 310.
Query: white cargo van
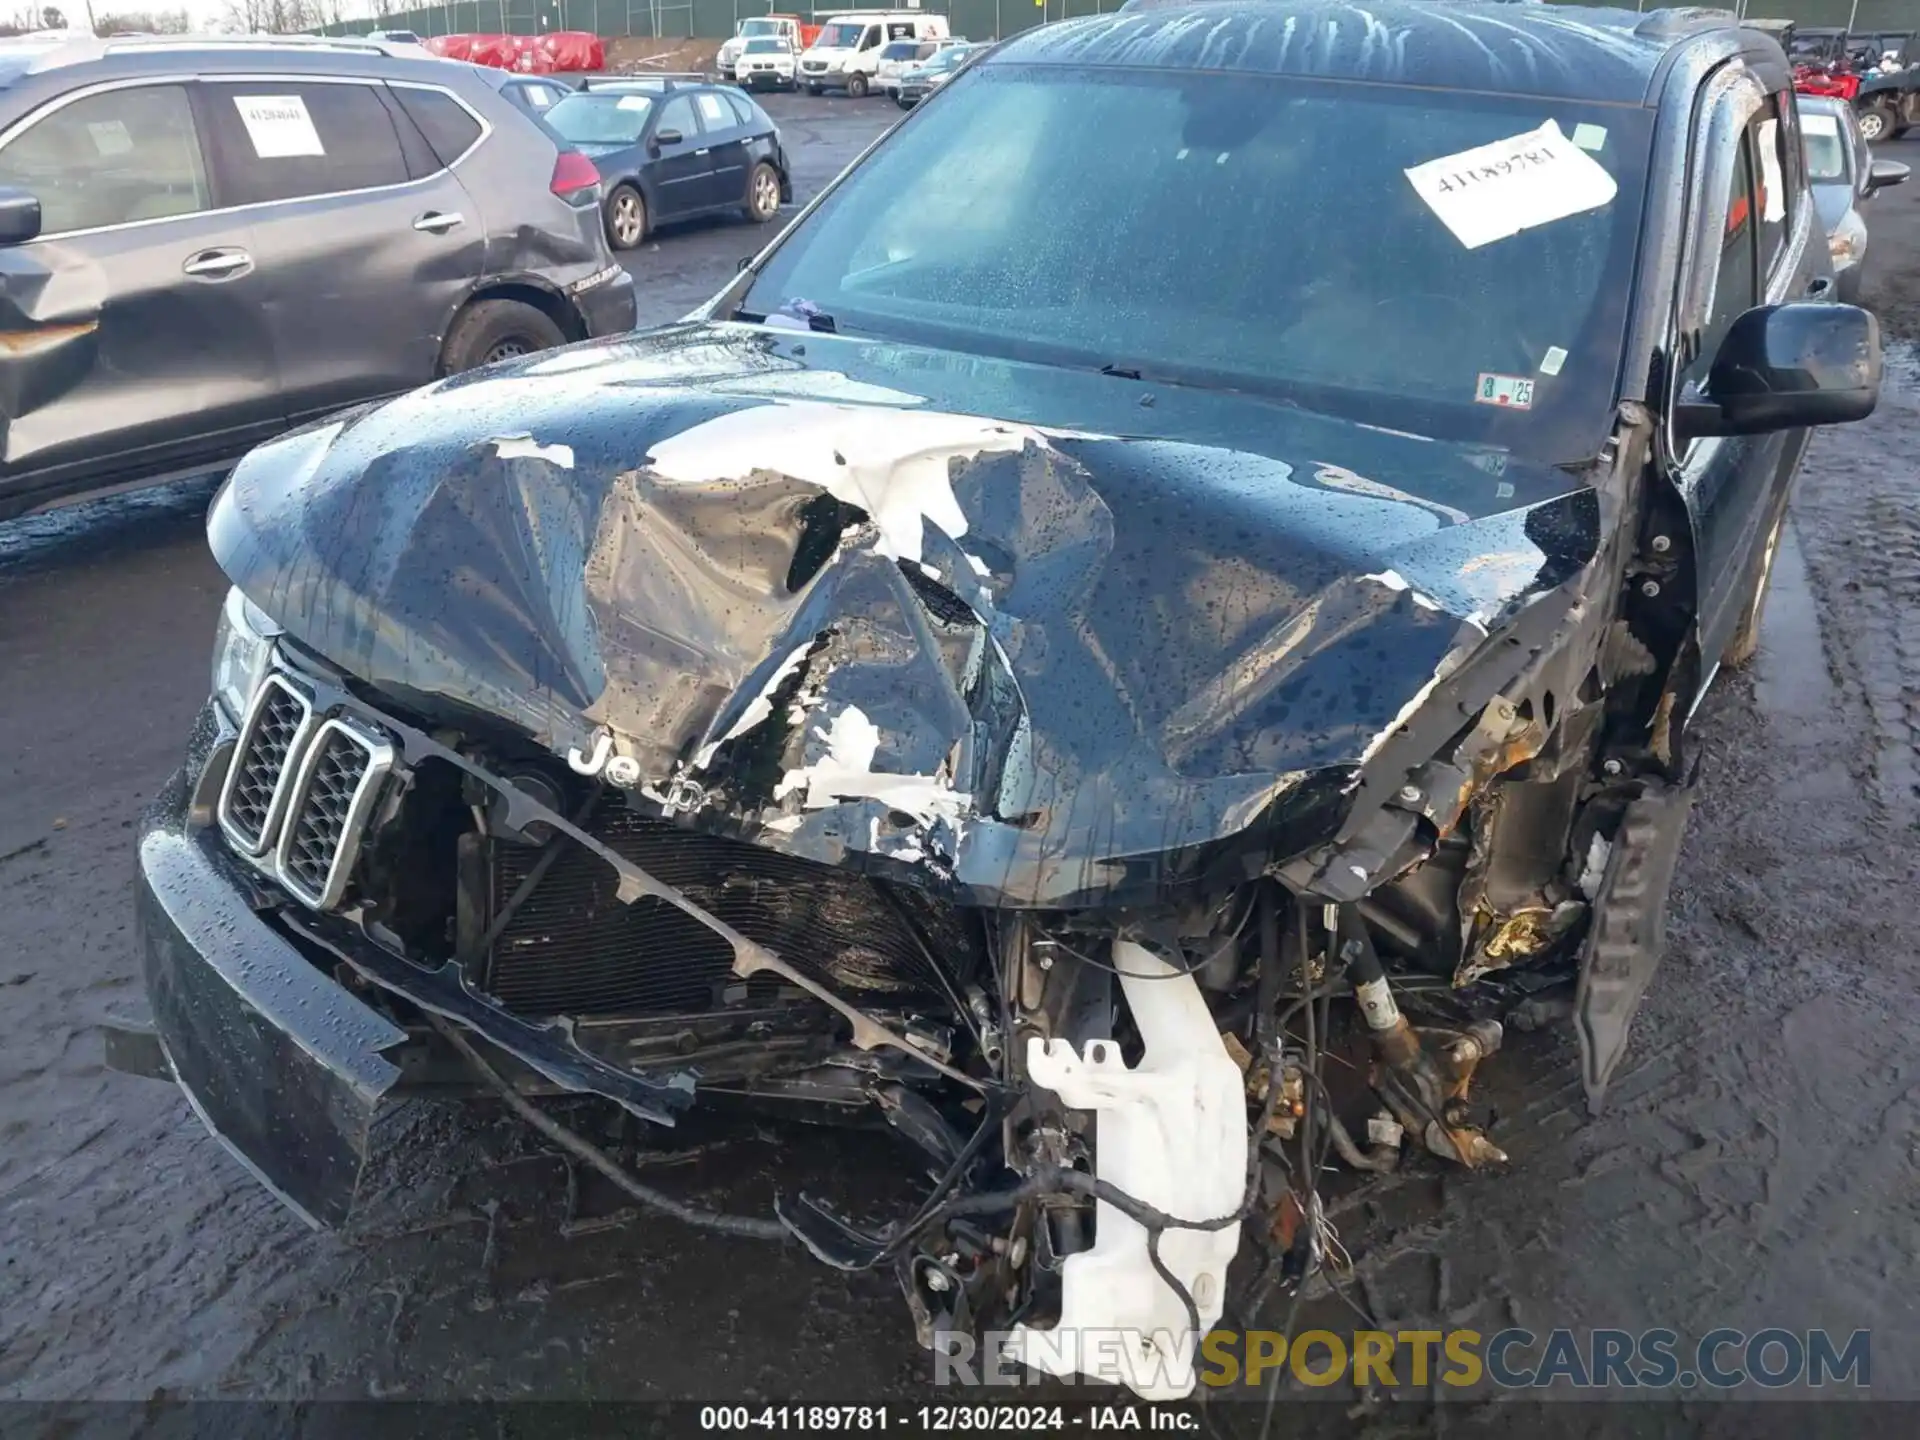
column 846, row 53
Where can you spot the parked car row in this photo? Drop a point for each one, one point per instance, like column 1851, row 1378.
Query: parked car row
column 1845, row 176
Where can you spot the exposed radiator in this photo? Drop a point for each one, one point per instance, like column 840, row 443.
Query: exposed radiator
column 573, row 949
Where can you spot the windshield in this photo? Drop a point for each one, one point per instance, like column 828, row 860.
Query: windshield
column 947, row 59
column 1826, row 147
column 760, row 27
column 901, row 50
column 766, row 47
column 602, row 119
column 1251, row 232
column 843, row 36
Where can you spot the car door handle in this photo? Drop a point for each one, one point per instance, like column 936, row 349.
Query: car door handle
column 225, row 264
column 438, row 222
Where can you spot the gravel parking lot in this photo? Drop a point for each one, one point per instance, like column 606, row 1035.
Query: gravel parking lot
column 1757, row 1166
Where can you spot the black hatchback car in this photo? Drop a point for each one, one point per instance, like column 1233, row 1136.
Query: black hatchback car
column 205, row 242
column 670, row 150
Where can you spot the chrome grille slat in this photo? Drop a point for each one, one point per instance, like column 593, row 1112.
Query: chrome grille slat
column 253, row 796
column 329, row 804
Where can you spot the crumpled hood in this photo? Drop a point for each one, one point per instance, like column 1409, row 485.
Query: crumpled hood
column 821, row 602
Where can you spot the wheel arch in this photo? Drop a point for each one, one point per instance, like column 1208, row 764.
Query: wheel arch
column 528, row 291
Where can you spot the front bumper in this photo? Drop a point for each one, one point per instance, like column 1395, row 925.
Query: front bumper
column 281, row 1064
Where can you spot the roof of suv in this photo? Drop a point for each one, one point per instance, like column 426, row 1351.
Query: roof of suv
column 1562, row 51
column 144, row 54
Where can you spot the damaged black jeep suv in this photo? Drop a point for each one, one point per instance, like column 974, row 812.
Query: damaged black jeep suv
column 1201, row 550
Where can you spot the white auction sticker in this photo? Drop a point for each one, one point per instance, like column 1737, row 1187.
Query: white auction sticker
column 1513, row 391
column 1494, row 191
column 1551, row 362
column 110, row 137
column 279, row 126
column 1815, row 124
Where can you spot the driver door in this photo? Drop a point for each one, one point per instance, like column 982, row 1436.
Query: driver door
column 136, row 337
column 680, row 159
column 1747, row 247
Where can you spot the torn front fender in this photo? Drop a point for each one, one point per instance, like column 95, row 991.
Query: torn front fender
column 802, row 592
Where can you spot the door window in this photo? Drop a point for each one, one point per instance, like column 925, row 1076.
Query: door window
column 1736, row 287
column 111, row 159
column 678, row 115
column 900, row 30
column 1767, row 136
column 871, row 38
column 282, row 140
column 448, row 125
column 742, row 111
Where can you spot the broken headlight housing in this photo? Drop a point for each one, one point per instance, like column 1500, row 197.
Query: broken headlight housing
column 242, row 646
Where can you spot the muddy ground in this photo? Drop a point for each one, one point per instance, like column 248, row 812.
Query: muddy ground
column 1757, row 1166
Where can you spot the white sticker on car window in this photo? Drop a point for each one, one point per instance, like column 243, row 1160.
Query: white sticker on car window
column 710, row 107
column 1513, row 391
column 1590, row 137
column 634, row 102
column 279, row 126
column 1494, row 191
column 1819, row 124
column 110, row 137
column 1551, row 362
column 1773, row 189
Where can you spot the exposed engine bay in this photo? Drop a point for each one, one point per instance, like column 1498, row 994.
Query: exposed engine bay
column 785, row 781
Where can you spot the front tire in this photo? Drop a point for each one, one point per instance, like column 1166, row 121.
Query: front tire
column 1878, row 122
column 497, row 330
column 626, row 217
column 856, row 86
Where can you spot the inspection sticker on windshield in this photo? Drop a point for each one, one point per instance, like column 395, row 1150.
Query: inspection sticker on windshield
column 279, row 126
column 1513, row 391
column 1494, row 191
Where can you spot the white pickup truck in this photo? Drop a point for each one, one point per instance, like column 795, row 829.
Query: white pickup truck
column 763, row 27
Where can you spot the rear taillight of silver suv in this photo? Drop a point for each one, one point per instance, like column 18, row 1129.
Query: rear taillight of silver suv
column 575, row 178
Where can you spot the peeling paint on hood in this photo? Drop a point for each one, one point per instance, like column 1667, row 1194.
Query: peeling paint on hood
column 1087, row 663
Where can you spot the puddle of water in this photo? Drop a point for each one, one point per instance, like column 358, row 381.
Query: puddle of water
column 1902, row 366
column 1790, row 681
column 113, row 520
column 1790, row 673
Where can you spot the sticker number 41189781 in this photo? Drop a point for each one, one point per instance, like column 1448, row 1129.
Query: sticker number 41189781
column 1513, row 391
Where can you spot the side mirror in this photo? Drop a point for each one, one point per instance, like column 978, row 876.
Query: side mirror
column 1786, row 367
column 667, row 137
column 19, row 216
column 1885, row 173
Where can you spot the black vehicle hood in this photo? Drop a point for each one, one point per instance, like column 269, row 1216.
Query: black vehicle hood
column 1035, row 659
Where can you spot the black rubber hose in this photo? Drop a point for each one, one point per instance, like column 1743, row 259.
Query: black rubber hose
column 587, row 1152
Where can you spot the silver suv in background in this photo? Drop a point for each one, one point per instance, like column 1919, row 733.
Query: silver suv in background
column 204, row 243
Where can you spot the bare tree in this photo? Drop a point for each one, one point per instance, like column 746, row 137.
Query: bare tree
column 273, row 17
column 144, row 22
